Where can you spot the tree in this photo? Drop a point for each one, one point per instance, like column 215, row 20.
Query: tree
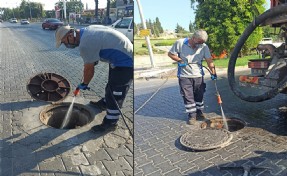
column 135, row 29
column 71, row 6
column 179, row 29
column 158, row 25
column 31, row 10
column 228, row 21
column 113, row 4
column 191, row 27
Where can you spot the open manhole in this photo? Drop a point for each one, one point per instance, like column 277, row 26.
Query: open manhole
column 54, row 116
column 233, row 124
column 206, row 139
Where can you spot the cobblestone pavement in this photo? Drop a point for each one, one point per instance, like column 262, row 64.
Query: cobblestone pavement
column 28, row 147
column 160, row 123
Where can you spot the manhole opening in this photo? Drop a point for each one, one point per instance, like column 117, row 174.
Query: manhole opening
column 234, row 124
column 54, row 116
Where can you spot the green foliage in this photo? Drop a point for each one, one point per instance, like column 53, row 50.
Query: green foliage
column 157, row 24
column 155, row 27
column 71, row 6
column 135, row 29
column 223, row 63
column 140, row 46
column 23, row 11
column 164, row 43
column 191, row 27
column 180, row 29
column 228, row 21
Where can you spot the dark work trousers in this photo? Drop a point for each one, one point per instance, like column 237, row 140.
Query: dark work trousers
column 120, row 79
column 192, row 90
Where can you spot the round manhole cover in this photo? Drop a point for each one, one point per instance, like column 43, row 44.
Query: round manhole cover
column 48, row 87
column 54, row 116
column 234, row 124
column 206, row 139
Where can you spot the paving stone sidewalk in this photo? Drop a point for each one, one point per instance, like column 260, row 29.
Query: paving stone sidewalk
column 28, row 147
column 161, row 122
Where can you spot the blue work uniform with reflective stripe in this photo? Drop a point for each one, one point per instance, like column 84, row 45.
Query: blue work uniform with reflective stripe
column 107, row 45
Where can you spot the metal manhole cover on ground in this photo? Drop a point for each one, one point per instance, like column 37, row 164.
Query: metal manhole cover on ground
column 48, row 87
column 206, row 139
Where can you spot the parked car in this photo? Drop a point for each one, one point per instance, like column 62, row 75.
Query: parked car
column 13, row 20
column 1, row 21
column 52, row 23
column 24, row 21
column 126, row 26
column 266, row 41
column 96, row 21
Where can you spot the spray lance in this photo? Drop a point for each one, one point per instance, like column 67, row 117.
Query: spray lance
column 219, row 101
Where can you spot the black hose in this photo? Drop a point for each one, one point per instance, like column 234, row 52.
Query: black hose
column 123, row 116
column 231, row 65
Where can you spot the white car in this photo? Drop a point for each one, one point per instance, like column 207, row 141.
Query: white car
column 13, row 20
column 266, row 41
column 24, row 21
column 126, row 26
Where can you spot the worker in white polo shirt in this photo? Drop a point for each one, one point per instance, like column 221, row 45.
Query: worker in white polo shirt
column 190, row 53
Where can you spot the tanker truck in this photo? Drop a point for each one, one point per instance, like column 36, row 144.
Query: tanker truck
column 270, row 70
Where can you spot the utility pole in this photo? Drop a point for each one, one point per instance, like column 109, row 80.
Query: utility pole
column 30, row 10
column 146, row 37
column 65, row 13
column 96, row 10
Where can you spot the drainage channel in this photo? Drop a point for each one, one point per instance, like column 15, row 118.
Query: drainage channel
column 211, row 134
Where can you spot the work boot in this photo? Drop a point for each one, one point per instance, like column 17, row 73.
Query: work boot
column 106, row 126
column 200, row 115
column 101, row 104
column 191, row 120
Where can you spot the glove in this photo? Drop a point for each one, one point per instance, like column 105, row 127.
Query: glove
column 213, row 76
column 83, row 86
column 180, row 64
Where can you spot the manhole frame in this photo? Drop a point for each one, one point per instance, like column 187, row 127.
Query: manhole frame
column 43, row 118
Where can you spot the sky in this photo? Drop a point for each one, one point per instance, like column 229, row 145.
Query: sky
column 49, row 4
column 169, row 13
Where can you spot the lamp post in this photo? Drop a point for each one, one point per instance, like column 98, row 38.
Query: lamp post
column 65, row 8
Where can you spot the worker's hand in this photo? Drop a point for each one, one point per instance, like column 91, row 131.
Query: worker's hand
column 181, row 63
column 83, row 86
column 213, row 76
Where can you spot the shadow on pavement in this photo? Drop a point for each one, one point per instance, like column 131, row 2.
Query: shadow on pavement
column 168, row 103
column 16, row 106
column 266, row 163
column 40, row 149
